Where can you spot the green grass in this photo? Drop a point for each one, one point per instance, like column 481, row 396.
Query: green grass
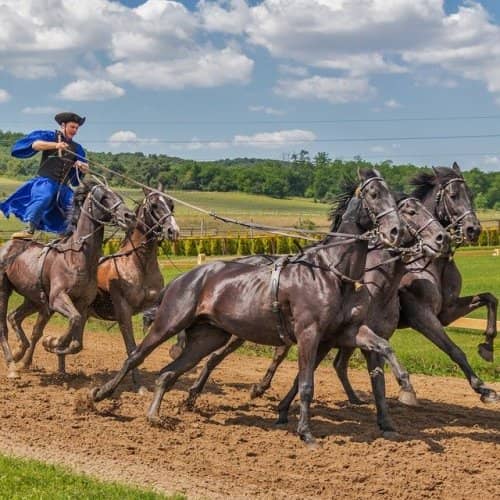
column 29, row 479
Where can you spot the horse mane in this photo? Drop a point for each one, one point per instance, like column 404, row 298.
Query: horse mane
column 79, row 196
column 348, row 185
column 425, row 182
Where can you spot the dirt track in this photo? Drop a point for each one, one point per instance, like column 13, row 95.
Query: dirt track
column 449, row 446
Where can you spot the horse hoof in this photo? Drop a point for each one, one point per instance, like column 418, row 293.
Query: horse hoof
column 408, row 398
column 357, row 402
column 489, row 396
column 48, row 343
column 309, row 440
column 486, row 352
column 13, row 375
column 282, row 420
column 142, row 391
column 94, row 395
column 256, row 392
column 155, row 420
column 391, row 435
column 17, row 355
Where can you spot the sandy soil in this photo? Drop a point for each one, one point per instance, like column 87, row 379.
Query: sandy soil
column 448, row 446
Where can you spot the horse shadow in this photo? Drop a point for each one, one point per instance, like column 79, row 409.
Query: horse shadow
column 431, row 422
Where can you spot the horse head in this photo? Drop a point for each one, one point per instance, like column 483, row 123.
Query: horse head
column 421, row 228
column 445, row 193
column 104, row 206
column 158, row 214
column 376, row 207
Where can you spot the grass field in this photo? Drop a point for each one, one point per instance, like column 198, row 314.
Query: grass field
column 29, row 479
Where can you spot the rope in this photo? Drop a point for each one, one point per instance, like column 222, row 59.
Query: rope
column 270, row 229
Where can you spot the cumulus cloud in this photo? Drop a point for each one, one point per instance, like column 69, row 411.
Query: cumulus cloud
column 91, row 90
column 232, row 19
column 4, row 96
column 202, row 68
column 128, row 140
column 334, row 90
column 392, row 103
column 275, row 139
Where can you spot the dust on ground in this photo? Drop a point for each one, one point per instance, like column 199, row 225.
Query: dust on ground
column 448, row 446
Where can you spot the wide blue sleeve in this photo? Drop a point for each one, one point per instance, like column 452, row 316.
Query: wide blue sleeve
column 23, row 148
column 74, row 175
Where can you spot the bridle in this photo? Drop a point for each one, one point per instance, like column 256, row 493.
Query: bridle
column 416, row 230
column 454, row 226
column 374, row 233
column 107, row 210
column 157, row 227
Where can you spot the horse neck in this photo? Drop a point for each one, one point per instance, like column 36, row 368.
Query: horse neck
column 385, row 278
column 349, row 258
column 430, row 203
column 142, row 242
column 91, row 233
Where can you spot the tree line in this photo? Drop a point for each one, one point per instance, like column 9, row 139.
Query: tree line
column 318, row 177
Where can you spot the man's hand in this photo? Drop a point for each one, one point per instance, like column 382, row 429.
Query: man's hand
column 82, row 166
column 61, row 145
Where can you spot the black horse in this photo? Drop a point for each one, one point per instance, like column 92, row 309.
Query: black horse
column 308, row 299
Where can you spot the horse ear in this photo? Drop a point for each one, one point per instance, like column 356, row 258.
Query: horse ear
column 377, row 173
column 146, row 191
column 435, row 170
column 361, row 174
column 456, row 168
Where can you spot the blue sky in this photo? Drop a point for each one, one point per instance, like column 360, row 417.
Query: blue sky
column 404, row 80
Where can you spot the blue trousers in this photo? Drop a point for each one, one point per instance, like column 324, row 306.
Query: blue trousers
column 43, row 202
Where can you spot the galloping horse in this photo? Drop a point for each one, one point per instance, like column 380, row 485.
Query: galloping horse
column 59, row 277
column 430, row 296
column 384, row 271
column 307, row 299
column 130, row 280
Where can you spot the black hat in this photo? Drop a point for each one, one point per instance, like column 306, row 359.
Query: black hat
column 68, row 116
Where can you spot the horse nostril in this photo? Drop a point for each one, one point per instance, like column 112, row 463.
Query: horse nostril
column 440, row 237
column 394, row 233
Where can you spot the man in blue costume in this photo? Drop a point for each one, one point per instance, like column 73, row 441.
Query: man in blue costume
column 44, row 202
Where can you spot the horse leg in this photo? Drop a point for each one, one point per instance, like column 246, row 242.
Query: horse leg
column 424, row 321
column 15, row 319
column 260, row 388
column 341, row 364
column 200, row 342
column 176, row 350
column 42, row 319
column 284, row 405
column 375, row 365
column 366, row 339
column 308, row 342
column 463, row 306
column 123, row 314
column 214, row 360
column 71, row 342
column 170, row 320
column 5, row 291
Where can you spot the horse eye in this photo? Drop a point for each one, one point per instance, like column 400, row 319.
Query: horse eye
column 154, row 206
column 374, row 195
column 411, row 211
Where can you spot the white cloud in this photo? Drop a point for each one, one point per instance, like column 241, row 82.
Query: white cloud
column 4, row 96
column 128, row 140
column 288, row 69
column 377, row 149
column 40, row 110
column 215, row 17
column 392, row 103
column 275, row 139
column 202, row 68
column 91, row 90
column 266, row 110
column 491, row 160
column 334, row 90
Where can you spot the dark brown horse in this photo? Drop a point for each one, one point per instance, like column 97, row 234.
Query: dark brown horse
column 308, row 299
column 59, row 277
column 130, row 280
column 381, row 280
column 430, row 297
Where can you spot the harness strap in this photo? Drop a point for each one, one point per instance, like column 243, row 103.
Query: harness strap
column 276, row 306
column 43, row 256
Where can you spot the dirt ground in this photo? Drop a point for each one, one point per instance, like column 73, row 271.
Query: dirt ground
column 448, row 446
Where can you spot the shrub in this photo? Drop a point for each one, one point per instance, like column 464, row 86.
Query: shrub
column 243, row 246
column 191, row 248
column 216, row 246
column 258, row 246
column 283, row 245
column 204, row 247
column 179, row 247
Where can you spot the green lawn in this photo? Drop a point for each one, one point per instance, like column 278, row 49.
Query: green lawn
column 29, row 479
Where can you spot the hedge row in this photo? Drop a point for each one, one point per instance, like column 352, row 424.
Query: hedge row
column 250, row 246
column 223, row 246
